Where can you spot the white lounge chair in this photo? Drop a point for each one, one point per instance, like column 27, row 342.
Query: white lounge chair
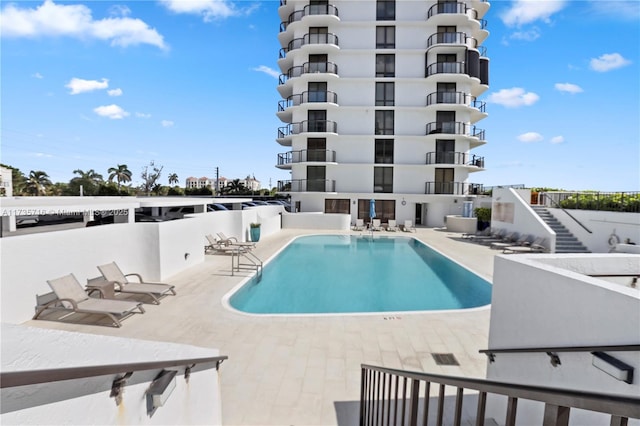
column 359, row 226
column 523, row 240
column 391, row 226
column 71, row 296
column 408, row 226
column 535, row 247
column 233, row 241
column 376, row 225
column 111, row 272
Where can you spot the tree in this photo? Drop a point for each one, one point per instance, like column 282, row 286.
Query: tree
column 120, row 173
column 235, row 187
column 173, row 179
column 18, row 180
column 89, row 181
column 149, row 178
column 37, row 182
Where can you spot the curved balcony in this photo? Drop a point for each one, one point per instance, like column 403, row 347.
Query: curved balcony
column 455, row 158
column 459, row 38
column 453, row 188
column 309, row 68
column 458, row 101
column 308, row 97
column 448, row 127
column 309, row 10
column 446, row 68
column 285, row 159
column 307, row 185
column 309, row 39
column 308, row 126
column 448, row 8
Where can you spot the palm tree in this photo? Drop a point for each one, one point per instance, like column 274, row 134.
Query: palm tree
column 37, row 182
column 89, row 181
column 235, row 186
column 173, row 178
column 121, row 173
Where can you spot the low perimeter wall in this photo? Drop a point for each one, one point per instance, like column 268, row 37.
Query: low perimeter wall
column 316, row 221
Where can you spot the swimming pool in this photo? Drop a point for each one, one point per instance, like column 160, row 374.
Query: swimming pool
column 356, row 274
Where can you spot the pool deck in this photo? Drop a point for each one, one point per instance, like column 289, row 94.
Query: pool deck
column 306, row 370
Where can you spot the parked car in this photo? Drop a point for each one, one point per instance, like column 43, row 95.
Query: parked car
column 216, row 207
column 108, row 219
column 27, row 220
column 247, row 204
column 260, row 203
column 179, row 212
column 283, row 203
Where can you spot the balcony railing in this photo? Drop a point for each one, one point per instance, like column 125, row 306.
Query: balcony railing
column 458, row 158
column 307, row 155
column 446, row 68
column 306, row 97
column 447, row 7
column 454, row 128
column 450, row 38
column 310, row 9
column 297, row 43
column 309, row 68
column 459, row 98
column 307, row 185
column 396, row 397
column 453, row 188
column 308, row 126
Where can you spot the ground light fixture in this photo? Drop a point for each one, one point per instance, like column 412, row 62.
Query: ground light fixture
column 613, row 366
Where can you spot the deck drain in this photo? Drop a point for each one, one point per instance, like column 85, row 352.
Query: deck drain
column 445, row 359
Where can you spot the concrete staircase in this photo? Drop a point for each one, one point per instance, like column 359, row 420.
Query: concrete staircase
column 565, row 241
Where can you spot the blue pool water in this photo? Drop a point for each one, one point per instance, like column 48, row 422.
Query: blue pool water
column 342, row 273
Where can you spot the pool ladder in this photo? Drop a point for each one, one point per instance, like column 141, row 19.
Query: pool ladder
column 254, row 262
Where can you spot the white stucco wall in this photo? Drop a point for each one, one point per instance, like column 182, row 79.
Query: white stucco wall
column 316, row 221
column 87, row 401
column 548, row 301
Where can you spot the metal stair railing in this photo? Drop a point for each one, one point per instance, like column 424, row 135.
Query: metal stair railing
column 255, row 263
column 393, row 397
column 555, row 203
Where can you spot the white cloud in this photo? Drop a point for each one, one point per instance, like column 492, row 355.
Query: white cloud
column 557, row 139
column 119, row 10
column 78, row 85
column 568, row 87
column 142, row 115
column 114, row 92
column 269, row 71
column 75, row 20
column 37, row 75
column 527, row 11
column 208, row 9
column 112, row 111
column 626, row 10
column 529, row 35
column 530, row 137
column 167, row 123
column 513, row 98
column 42, row 155
column 608, row 62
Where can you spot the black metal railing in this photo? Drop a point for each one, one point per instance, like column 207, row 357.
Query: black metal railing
column 450, row 38
column 297, row 43
column 447, row 7
column 310, row 9
column 446, row 68
column 451, row 157
column 453, row 188
column 307, row 68
column 587, row 200
column 321, row 126
column 448, row 127
column 307, row 185
column 396, row 397
column 306, row 97
column 307, row 155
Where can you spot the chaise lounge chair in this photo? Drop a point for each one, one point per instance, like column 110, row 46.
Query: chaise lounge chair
column 73, row 297
column 218, row 246
column 359, row 226
column 523, row 240
column 408, row 226
column 534, row 247
column 376, row 225
column 111, row 272
column 233, row 241
column 391, row 226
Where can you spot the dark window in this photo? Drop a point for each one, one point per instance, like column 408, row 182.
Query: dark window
column 446, row 93
column 385, row 10
column 337, row 205
column 446, row 34
column 385, row 210
column 317, row 120
column 317, row 92
column 385, row 94
column 384, row 123
column 316, row 176
column 385, row 65
column 446, row 121
column 444, row 181
column 385, row 37
column 318, row 35
column 316, row 149
column 384, row 151
column 445, row 151
column 318, row 63
column 383, row 179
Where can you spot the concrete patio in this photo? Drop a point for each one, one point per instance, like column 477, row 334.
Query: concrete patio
column 305, row 370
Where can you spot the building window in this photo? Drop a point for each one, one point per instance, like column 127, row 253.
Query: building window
column 318, row 35
column 385, row 94
column 385, row 210
column 316, row 178
column 337, row 205
column 316, row 149
column 444, row 181
column 317, row 91
column 385, row 65
column 383, row 179
column 317, row 120
column 384, row 123
column 385, row 10
column 385, row 37
column 384, row 151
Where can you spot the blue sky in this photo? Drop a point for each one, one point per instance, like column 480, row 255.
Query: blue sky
column 192, row 86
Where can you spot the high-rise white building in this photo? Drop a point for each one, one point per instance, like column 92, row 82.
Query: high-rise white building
column 380, row 101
